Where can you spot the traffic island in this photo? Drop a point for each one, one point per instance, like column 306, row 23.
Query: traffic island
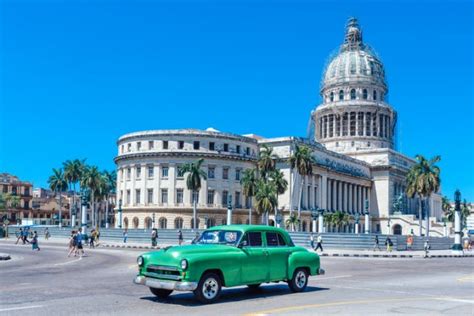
column 4, row 256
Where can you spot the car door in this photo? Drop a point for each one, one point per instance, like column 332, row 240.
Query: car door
column 255, row 260
column 278, row 253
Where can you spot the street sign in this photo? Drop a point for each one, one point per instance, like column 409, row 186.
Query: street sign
column 278, row 218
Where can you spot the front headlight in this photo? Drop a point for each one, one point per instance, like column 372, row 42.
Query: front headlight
column 140, row 261
column 184, row 264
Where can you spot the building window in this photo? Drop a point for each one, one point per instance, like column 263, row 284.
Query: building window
column 178, row 223
column 341, row 95
column 225, row 173
column 165, row 144
column 180, row 144
column 211, row 172
column 210, row 197
column 164, row 172
column 226, row 147
column 247, row 151
column 129, row 172
column 139, row 172
column 212, row 146
column 237, row 200
column 150, row 196
column 122, row 149
column 128, row 197
column 248, row 202
column 163, row 223
column 194, row 197
column 139, row 146
column 237, row 174
column 331, row 97
column 353, row 94
column 137, row 196
column 237, row 149
column 224, row 198
column 129, row 147
column 210, row 222
column 196, row 145
column 164, row 195
column 179, row 196
column 179, row 172
column 364, row 94
column 151, row 171
column 375, row 95
column 151, row 144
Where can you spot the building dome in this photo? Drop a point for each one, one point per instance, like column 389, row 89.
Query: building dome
column 355, row 62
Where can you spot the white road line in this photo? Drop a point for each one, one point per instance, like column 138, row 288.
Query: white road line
column 333, row 277
column 20, row 308
column 67, row 262
column 448, row 299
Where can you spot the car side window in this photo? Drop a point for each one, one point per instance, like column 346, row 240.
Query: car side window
column 281, row 241
column 254, row 239
column 272, row 239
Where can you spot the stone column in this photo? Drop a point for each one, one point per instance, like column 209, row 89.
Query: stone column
column 339, row 203
column 334, row 194
column 351, row 207
column 172, row 184
column 323, row 180
column 359, row 198
column 333, row 125
column 345, row 200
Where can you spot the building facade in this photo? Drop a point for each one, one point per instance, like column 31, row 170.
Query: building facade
column 18, row 195
column 356, row 164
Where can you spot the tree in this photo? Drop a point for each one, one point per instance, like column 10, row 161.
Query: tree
column 339, row 219
column 292, row 222
column 465, row 212
column 91, row 179
column 265, row 198
column 193, row 181
column 281, row 184
column 302, row 160
column 266, row 161
column 423, row 179
column 73, row 171
column 249, row 187
column 108, row 187
column 57, row 182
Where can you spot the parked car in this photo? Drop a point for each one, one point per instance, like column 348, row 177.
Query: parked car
column 227, row 256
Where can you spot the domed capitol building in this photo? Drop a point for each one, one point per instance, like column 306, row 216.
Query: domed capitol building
column 352, row 141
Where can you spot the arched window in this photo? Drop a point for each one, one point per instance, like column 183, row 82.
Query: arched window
column 125, row 222
column 135, row 222
column 163, row 223
column 397, row 229
column 211, row 222
column 192, row 223
column 148, row 223
column 331, row 96
column 375, row 95
column 353, row 94
column 178, row 223
column 341, row 95
column 364, row 94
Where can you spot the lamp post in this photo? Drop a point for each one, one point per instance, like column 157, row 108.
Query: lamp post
column 388, row 225
column 445, row 228
column 229, row 209
column 357, row 218
column 120, row 214
column 457, row 247
column 153, row 220
column 366, row 217
column 320, row 220
column 83, row 211
column 73, row 215
column 314, row 217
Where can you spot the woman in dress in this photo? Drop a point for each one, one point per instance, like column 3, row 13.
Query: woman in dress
column 34, row 242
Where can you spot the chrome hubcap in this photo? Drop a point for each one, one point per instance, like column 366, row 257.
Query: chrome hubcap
column 300, row 279
column 209, row 288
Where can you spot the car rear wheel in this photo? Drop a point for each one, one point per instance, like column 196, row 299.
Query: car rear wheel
column 160, row 292
column 209, row 288
column 253, row 286
column 299, row 281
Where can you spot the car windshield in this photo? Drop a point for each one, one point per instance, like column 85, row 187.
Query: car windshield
column 223, row 237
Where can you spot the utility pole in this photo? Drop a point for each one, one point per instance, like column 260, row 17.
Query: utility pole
column 457, row 247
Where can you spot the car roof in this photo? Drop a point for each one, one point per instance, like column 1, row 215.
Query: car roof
column 247, row 228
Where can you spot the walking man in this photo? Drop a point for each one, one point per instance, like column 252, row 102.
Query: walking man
column 125, row 236
column 180, row 237
column 409, row 242
column 426, row 247
column 154, row 237
column 19, row 235
column 319, row 244
column 46, row 234
column 34, row 242
column 376, row 243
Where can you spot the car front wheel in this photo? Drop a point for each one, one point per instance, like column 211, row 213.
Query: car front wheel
column 299, row 281
column 209, row 288
column 160, row 292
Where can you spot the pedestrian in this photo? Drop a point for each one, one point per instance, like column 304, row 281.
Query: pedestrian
column 72, row 243
column 19, row 235
column 376, row 243
column 154, row 237
column 91, row 239
column 426, row 247
column 34, row 242
column 389, row 244
column 125, row 236
column 80, row 248
column 311, row 240
column 180, row 237
column 409, row 242
column 319, row 243
column 46, row 233
column 25, row 236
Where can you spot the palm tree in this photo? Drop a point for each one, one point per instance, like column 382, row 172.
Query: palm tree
column 109, row 187
column 292, row 222
column 281, row 184
column 193, row 181
column 423, row 179
column 465, row 212
column 73, row 170
column 339, row 218
column 302, row 160
column 266, row 161
column 91, row 179
column 328, row 219
column 265, row 198
column 58, row 184
column 249, row 187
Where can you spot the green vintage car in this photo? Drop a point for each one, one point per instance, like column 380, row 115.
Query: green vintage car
column 228, row 256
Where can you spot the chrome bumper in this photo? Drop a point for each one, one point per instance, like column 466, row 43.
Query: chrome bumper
column 165, row 284
column 321, row 271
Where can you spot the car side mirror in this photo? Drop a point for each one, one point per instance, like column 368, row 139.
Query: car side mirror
column 243, row 243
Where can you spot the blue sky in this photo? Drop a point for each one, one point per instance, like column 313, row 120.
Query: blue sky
column 75, row 75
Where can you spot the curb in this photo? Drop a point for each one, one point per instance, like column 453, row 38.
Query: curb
column 392, row 256
column 130, row 247
column 4, row 256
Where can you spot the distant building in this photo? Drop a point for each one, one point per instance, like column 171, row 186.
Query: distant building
column 13, row 186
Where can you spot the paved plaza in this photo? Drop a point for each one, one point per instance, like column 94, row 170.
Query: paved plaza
column 49, row 283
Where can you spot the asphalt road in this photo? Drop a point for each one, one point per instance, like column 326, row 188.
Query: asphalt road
column 49, row 283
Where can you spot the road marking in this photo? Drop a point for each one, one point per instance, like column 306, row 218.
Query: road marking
column 302, row 307
column 469, row 278
column 67, row 262
column 20, row 308
column 132, row 266
column 333, row 277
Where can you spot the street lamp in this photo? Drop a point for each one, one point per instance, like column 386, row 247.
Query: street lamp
column 357, row 218
column 457, row 247
column 153, row 220
column 120, row 214
column 229, row 209
column 320, row 220
column 84, row 211
column 366, row 217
